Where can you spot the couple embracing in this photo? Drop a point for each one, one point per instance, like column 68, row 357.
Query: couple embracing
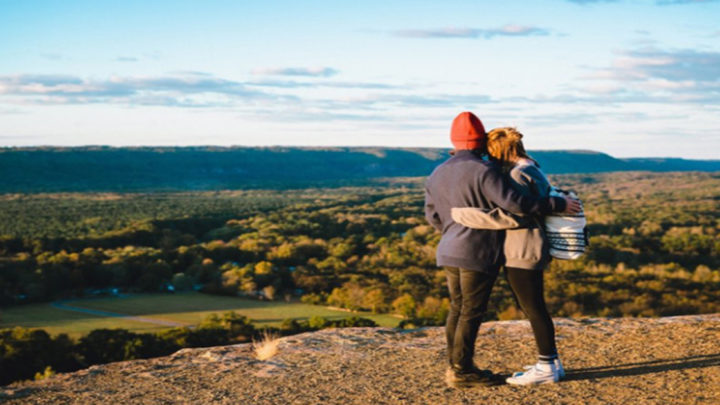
column 471, row 200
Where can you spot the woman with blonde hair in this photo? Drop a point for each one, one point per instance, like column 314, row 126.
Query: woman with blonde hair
column 525, row 248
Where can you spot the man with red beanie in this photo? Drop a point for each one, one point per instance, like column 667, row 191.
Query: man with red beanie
column 472, row 257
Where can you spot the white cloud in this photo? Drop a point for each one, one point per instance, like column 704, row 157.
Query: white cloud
column 289, row 84
column 656, row 75
column 184, row 91
column 509, row 30
column 317, row 71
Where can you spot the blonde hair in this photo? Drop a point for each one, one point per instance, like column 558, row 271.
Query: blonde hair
column 505, row 145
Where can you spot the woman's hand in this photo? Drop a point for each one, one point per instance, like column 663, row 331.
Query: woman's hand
column 572, row 206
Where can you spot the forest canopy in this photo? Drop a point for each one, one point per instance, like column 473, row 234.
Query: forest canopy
column 654, row 247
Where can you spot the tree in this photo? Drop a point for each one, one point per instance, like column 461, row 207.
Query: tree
column 263, row 267
column 404, row 305
column 338, row 297
column 181, row 282
column 374, row 300
column 104, row 345
column 434, row 308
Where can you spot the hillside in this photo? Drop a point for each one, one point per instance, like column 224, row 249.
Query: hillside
column 55, row 169
column 608, row 361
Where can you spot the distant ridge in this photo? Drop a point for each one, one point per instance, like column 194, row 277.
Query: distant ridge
column 674, row 164
column 104, row 168
column 580, row 161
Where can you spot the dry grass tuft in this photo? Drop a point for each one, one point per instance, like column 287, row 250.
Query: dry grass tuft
column 267, row 346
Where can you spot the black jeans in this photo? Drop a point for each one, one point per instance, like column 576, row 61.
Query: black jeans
column 469, row 295
column 527, row 287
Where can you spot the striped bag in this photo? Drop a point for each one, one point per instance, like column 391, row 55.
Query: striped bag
column 567, row 234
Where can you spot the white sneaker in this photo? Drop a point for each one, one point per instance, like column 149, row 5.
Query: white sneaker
column 558, row 366
column 540, row 373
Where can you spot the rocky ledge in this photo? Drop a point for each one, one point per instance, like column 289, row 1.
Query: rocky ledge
column 672, row 360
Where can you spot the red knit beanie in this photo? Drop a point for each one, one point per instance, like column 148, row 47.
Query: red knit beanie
column 467, row 131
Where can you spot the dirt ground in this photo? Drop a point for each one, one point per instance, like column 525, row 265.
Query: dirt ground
column 608, row 361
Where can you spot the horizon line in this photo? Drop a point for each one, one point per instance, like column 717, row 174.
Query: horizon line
column 105, row 146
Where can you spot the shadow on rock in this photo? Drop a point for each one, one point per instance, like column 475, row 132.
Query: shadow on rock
column 648, row 367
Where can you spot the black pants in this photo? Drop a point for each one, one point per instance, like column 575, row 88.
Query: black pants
column 469, row 295
column 527, row 286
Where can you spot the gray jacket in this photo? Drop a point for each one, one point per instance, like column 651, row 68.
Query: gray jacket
column 526, row 245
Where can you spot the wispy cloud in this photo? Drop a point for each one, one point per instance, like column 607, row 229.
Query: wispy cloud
column 35, row 83
column 190, row 73
column 652, row 75
column 436, row 100
column 297, row 71
column 586, row 96
column 676, row 65
column 658, row 2
column 309, row 115
column 290, row 84
column 11, row 111
column 198, row 89
column 670, row 2
column 185, row 91
column 509, row 30
column 390, row 100
column 583, row 2
column 126, row 59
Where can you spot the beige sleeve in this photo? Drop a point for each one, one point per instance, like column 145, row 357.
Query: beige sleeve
column 478, row 218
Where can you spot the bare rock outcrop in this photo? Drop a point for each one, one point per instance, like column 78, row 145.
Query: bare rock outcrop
column 672, row 360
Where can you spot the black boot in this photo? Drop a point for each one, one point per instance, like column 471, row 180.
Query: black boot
column 465, row 377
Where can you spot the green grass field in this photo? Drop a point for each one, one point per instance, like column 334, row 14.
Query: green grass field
column 186, row 308
column 56, row 321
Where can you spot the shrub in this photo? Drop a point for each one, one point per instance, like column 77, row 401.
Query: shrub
column 267, row 346
column 413, row 323
column 104, row 345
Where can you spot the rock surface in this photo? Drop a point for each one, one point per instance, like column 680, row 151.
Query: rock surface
column 608, row 361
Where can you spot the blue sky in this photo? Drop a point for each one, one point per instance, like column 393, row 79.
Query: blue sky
column 629, row 78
